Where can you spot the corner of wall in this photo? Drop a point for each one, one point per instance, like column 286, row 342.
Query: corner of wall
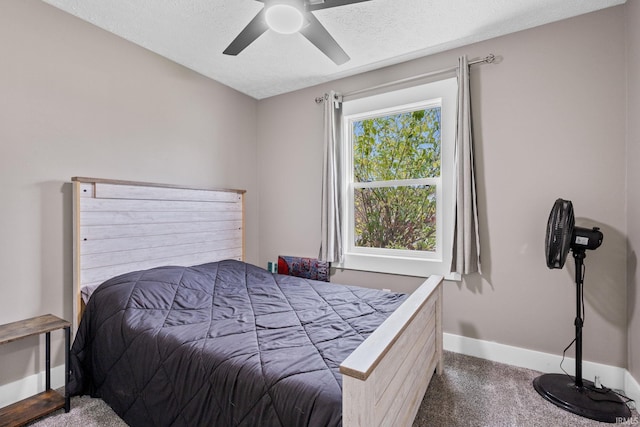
column 632, row 40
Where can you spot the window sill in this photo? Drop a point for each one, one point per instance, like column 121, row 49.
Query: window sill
column 417, row 267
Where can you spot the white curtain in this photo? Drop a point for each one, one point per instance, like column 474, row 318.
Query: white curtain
column 331, row 239
column 466, row 238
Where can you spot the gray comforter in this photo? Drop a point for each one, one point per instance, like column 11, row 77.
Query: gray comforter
column 222, row 344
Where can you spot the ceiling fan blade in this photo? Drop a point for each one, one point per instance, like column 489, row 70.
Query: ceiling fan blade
column 332, row 3
column 320, row 37
column 252, row 31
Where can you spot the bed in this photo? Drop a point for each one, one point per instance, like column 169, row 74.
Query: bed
column 179, row 330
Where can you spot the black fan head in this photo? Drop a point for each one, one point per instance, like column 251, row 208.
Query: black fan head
column 559, row 233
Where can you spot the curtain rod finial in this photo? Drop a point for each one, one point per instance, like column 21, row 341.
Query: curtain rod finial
column 319, row 99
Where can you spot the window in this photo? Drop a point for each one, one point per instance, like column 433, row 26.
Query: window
column 398, row 175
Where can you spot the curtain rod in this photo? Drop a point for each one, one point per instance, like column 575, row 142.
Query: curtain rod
column 487, row 59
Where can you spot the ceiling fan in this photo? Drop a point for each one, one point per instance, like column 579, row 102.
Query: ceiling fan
column 292, row 16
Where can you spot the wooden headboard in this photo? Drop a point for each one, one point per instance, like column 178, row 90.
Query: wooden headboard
column 123, row 226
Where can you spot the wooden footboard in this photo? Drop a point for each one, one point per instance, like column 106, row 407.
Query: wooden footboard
column 386, row 377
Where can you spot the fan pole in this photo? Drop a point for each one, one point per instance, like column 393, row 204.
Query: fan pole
column 579, row 256
column 576, row 395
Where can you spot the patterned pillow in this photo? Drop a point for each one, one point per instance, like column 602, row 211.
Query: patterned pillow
column 308, row 268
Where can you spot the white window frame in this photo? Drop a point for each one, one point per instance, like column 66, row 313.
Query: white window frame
column 442, row 93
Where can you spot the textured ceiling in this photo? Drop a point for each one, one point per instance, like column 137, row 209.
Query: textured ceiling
column 374, row 34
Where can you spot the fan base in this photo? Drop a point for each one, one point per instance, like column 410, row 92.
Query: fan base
column 587, row 401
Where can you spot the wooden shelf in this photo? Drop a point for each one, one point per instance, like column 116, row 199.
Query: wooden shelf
column 41, row 404
column 29, row 327
column 31, row 408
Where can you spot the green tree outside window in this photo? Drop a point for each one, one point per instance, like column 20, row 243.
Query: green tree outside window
column 392, row 208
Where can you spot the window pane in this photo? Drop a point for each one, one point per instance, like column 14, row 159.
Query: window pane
column 396, row 217
column 399, row 146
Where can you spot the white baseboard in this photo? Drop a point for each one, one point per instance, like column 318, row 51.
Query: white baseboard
column 610, row 376
column 33, row 384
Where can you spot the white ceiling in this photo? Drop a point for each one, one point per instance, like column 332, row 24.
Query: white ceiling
column 374, row 34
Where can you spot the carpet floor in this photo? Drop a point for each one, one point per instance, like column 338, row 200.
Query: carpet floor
column 475, row 392
column 472, row 392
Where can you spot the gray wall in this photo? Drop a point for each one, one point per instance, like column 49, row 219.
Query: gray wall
column 633, row 182
column 550, row 122
column 76, row 100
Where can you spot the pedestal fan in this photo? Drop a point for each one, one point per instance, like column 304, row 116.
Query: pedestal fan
column 574, row 394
